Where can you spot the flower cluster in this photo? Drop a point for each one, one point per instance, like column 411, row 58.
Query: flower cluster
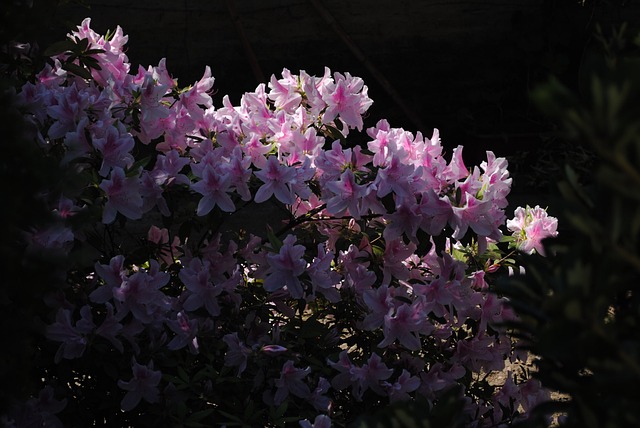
column 373, row 287
column 530, row 227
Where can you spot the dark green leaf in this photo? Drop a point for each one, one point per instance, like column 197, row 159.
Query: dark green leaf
column 199, row 416
column 77, row 70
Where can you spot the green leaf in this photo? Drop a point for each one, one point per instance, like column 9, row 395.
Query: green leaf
column 90, row 62
column 77, row 70
column 234, row 418
column 139, row 164
column 205, row 373
column 94, row 51
column 275, row 242
column 281, row 410
column 333, row 132
column 82, row 45
column 172, row 379
column 200, row 415
column 184, row 376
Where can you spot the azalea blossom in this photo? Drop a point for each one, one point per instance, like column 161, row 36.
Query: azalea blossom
column 400, row 389
column 276, row 178
column 213, row 187
column 291, row 382
column 238, row 353
column 200, row 289
column 73, row 338
column 123, row 196
column 143, row 385
column 530, row 227
column 285, row 267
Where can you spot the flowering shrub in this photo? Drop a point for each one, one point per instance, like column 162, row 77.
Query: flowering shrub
column 373, row 288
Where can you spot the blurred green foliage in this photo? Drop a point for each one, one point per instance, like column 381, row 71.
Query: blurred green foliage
column 580, row 309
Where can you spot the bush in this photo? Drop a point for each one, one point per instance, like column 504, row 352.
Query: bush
column 374, row 288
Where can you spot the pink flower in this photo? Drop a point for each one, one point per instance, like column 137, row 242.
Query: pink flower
column 400, row 389
column 238, row 352
column 530, row 227
column 405, row 220
column 370, row 376
column 200, row 289
column 255, row 150
column 168, row 167
column 317, row 398
column 379, row 301
column 307, row 144
column 473, row 213
column 115, row 145
column 532, row 393
column 347, row 98
column 496, row 181
column 152, row 195
column 67, row 111
column 284, row 92
column 198, row 95
column 112, row 274
column 123, row 196
column 214, row 187
column 285, row 267
column 405, row 325
column 396, row 177
column 66, row 208
column 273, row 349
column 140, row 294
column 152, row 109
column 333, row 162
column 436, row 212
column 291, row 381
column 324, row 279
column 395, row 253
column 143, row 384
column 276, row 178
column 480, row 352
column 73, row 338
column 185, row 330
column 312, row 87
column 345, row 368
column 456, row 170
column 383, row 146
column 347, row 195
column 240, row 173
column 113, row 62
